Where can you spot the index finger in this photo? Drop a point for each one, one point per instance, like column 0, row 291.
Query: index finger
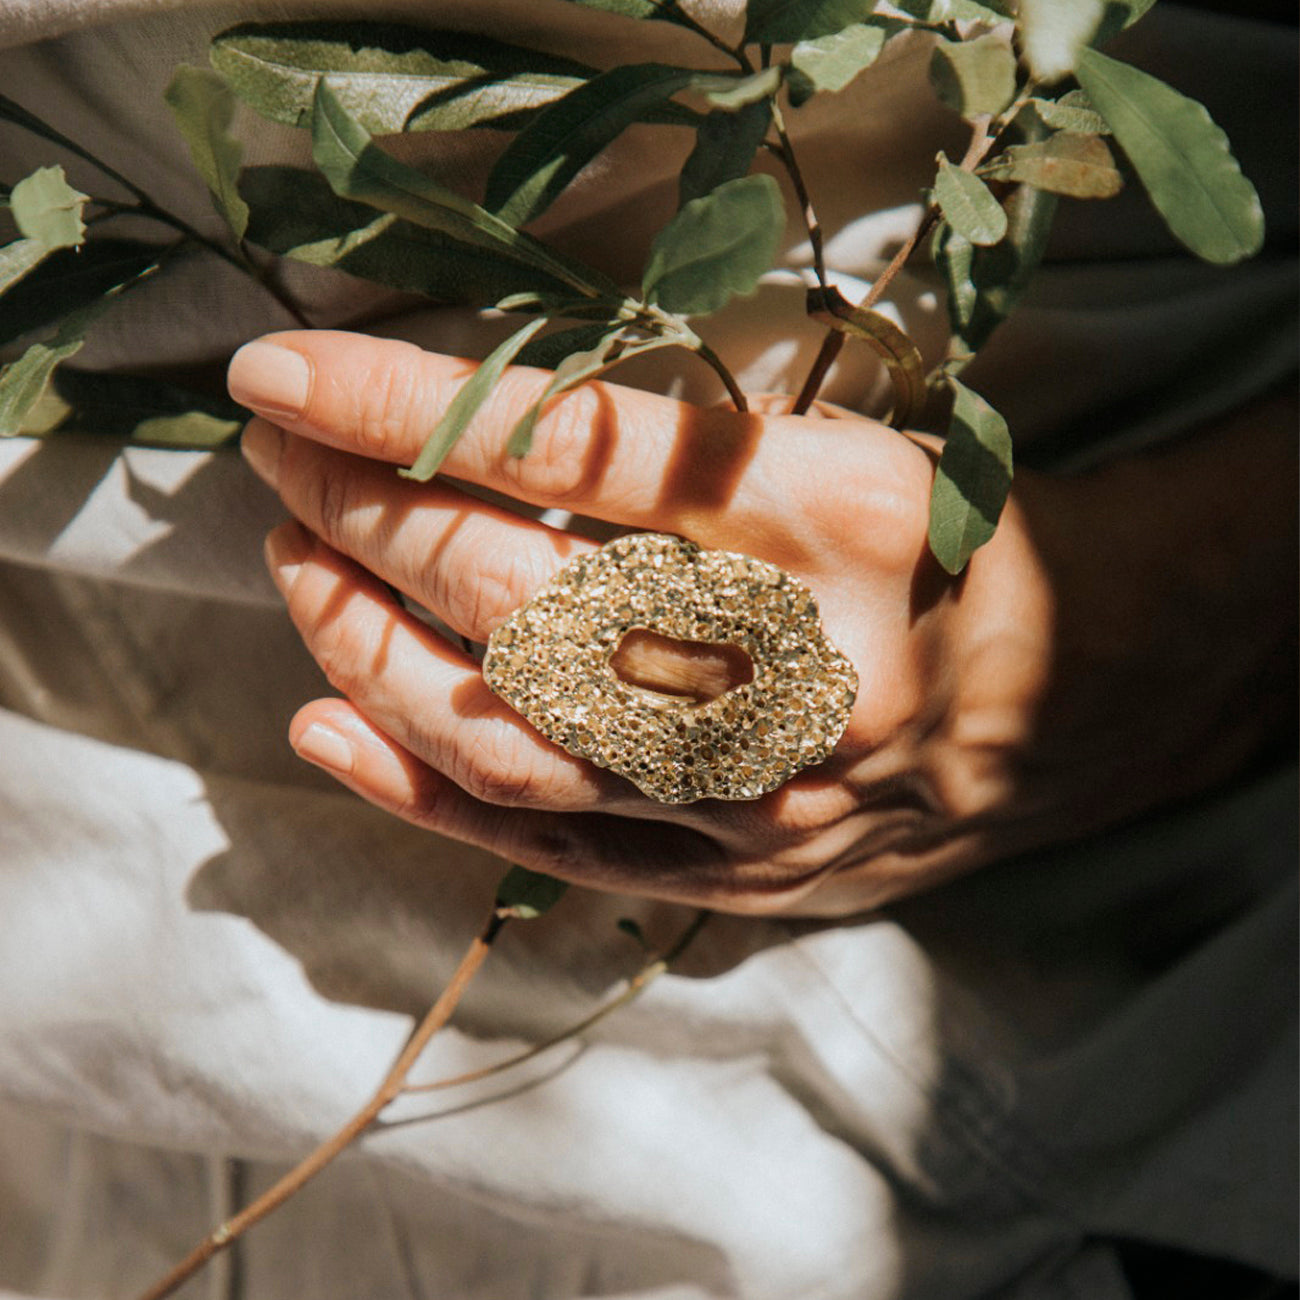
column 630, row 457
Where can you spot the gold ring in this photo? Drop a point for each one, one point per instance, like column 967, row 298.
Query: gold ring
column 551, row 661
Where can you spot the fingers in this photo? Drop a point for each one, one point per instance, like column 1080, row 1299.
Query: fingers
column 468, row 562
column 618, row 454
column 421, row 691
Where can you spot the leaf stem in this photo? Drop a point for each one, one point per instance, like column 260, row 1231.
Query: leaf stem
column 388, row 1091
column 635, row 987
column 787, row 156
column 708, row 355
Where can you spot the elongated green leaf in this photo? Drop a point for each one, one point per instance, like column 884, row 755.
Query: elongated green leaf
column 69, row 279
column 778, row 22
column 668, row 11
column 1118, row 15
column 17, row 259
column 967, row 205
column 949, row 11
column 974, row 78
column 1182, row 158
column 46, row 208
column 145, row 411
column 716, row 247
column 548, row 351
column 984, row 284
column 1076, row 165
column 23, row 381
column 574, row 369
column 473, row 393
column 972, row 480
column 1072, row 112
column 544, row 157
column 725, row 145
column 725, row 90
column 203, row 107
column 525, row 894
column 829, row 63
column 1053, row 35
column 356, row 169
column 388, row 77
column 895, row 348
column 296, row 214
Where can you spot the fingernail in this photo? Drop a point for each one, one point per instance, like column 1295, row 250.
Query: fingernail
column 261, row 444
column 326, row 748
column 269, row 379
column 286, row 547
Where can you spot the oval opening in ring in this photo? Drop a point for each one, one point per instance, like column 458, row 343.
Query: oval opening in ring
column 683, row 672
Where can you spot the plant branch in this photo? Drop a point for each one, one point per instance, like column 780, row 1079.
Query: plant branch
column 635, row 987
column 388, row 1091
column 985, row 133
column 683, row 19
column 787, row 156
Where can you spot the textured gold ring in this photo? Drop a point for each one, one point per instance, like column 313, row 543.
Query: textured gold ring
column 551, row 661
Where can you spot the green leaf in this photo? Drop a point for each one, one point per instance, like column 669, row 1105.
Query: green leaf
column 830, row 63
column 967, row 205
column 17, row 259
column 1077, row 165
column 895, row 348
column 296, row 214
column 664, row 10
column 70, row 279
column 780, row 22
column 463, row 407
column 527, row 894
column 204, row 108
column 949, row 11
column 972, row 480
column 1053, row 34
column 725, row 145
column 388, row 77
column 715, row 247
column 984, row 284
column 356, row 169
column 1072, row 112
column 725, row 90
column 974, row 78
column 1182, row 158
column 1118, row 15
column 545, row 156
column 548, row 351
column 145, row 411
column 23, row 381
column 46, row 208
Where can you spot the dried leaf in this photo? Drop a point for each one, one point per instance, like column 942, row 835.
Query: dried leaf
column 47, row 209
column 463, row 407
column 1076, row 165
column 204, row 107
column 901, row 356
column 967, row 205
column 974, row 78
column 388, row 77
column 972, row 480
column 1182, row 158
column 716, row 247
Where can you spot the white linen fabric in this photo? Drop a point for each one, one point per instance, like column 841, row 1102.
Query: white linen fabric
column 210, row 953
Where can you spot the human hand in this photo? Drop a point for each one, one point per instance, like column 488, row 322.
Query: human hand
column 958, row 748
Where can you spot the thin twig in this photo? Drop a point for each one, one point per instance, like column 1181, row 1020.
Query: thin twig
column 791, row 164
column 388, row 1091
column 635, row 987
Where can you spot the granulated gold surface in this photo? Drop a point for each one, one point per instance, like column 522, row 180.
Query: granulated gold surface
column 551, row 662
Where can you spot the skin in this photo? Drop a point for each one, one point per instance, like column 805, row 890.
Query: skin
column 1126, row 640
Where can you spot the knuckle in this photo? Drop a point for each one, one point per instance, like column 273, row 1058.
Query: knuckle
column 558, row 464
column 497, row 770
column 390, row 398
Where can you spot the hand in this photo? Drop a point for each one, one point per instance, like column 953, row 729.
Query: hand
column 984, row 720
